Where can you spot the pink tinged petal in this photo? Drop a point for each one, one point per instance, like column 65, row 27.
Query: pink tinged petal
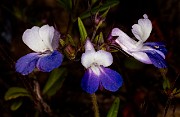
column 103, row 58
column 87, row 58
column 27, row 63
column 49, row 62
column 90, row 82
column 55, row 40
column 142, row 57
column 143, row 29
column 110, row 79
column 123, row 39
column 32, row 39
column 46, row 33
column 89, row 46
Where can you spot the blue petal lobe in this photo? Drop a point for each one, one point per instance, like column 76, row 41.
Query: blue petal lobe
column 27, row 63
column 90, row 82
column 110, row 79
column 156, row 59
column 49, row 62
column 158, row 46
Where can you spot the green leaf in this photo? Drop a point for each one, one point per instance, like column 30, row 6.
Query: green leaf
column 82, row 30
column 113, row 112
column 15, row 92
column 16, row 105
column 70, row 39
column 99, row 40
column 108, row 4
column 166, row 84
column 55, row 81
column 67, row 4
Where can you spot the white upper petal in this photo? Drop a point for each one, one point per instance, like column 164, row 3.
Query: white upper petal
column 123, row 39
column 46, row 33
column 143, row 29
column 103, row 58
column 141, row 56
column 39, row 39
column 88, row 58
column 89, row 46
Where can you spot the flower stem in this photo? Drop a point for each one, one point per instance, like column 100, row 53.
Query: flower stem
column 95, row 105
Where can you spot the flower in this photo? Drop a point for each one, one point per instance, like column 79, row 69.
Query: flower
column 148, row 53
column 44, row 41
column 96, row 74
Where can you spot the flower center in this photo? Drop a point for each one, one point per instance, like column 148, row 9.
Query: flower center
column 95, row 68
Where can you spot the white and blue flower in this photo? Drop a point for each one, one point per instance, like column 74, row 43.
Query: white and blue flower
column 148, row 53
column 97, row 75
column 44, row 41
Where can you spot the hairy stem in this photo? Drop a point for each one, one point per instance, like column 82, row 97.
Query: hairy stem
column 95, row 105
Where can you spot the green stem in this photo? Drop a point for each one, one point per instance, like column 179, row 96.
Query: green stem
column 95, row 105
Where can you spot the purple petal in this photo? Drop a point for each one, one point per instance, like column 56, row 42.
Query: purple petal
column 27, row 63
column 110, row 79
column 55, row 40
column 49, row 62
column 156, row 59
column 157, row 45
column 90, row 82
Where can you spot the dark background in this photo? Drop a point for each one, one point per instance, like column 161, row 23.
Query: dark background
column 142, row 93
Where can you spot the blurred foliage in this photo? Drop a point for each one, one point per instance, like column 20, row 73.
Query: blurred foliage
column 146, row 91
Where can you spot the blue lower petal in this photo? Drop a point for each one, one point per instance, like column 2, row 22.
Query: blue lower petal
column 110, row 79
column 90, row 82
column 156, row 59
column 157, row 45
column 50, row 62
column 27, row 63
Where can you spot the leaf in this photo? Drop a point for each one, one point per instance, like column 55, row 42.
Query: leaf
column 15, row 92
column 16, row 105
column 166, row 84
column 99, row 40
column 70, row 39
column 113, row 112
column 82, row 30
column 55, row 81
column 67, row 4
column 108, row 4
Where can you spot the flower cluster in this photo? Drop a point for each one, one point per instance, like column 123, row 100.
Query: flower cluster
column 44, row 41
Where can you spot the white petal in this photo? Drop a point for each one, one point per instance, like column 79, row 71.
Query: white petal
column 55, row 41
column 87, row 58
column 141, row 56
column 96, row 70
column 89, row 46
column 124, row 39
column 143, row 29
column 103, row 58
column 46, row 33
column 32, row 39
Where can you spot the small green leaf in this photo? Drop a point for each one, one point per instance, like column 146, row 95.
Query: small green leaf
column 67, row 4
column 16, row 105
column 82, row 30
column 15, row 92
column 55, row 81
column 99, row 40
column 70, row 39
column 108, row 4
column 113, row 112
column 166, row 84
column 62, row 42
